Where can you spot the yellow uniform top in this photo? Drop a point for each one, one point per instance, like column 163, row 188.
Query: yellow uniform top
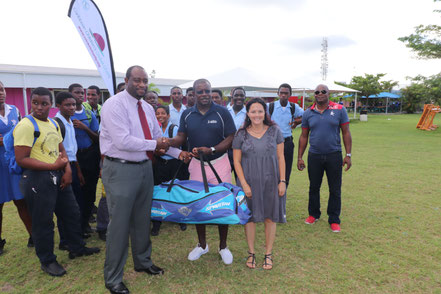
column 45, row 148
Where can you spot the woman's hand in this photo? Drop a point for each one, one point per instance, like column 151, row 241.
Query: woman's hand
column 247, row 190
column 282, row 189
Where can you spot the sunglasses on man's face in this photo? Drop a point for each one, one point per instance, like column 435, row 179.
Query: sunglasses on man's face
column 322, row 91
column 200, row 92
column 239, row 95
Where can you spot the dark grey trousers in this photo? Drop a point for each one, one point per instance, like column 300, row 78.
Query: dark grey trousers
column 129, row 192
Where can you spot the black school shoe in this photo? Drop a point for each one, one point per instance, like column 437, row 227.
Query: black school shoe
column 118, row 289
column 85, row 252
column 151, row 270
column 2, row 245
column 53, row 269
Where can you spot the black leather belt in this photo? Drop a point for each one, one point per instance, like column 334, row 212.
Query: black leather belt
column 288, row 138
column 126, row 161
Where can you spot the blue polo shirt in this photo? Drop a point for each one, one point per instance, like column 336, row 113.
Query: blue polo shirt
column 83, row 139
column 282, row 117
column 207, row 130
column 239, row 117
column 324, row 135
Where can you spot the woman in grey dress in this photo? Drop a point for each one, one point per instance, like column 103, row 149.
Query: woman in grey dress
column 260, row 167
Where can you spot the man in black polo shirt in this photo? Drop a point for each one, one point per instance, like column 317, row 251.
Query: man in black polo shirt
column 322, row 123
column 209, row 129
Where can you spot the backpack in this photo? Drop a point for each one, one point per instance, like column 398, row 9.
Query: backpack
column 170, row 130
column 293, row 108
column 62, row 127
column 8, row 143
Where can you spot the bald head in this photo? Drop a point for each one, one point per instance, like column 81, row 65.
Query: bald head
column 321, row 94
column 322, row 87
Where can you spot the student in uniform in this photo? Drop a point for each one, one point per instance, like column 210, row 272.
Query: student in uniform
column 66, row 104
column 88, row 154
column 9, row 117
column 45, row 184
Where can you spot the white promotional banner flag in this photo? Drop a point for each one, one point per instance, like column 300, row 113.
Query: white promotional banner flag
column 90, row 24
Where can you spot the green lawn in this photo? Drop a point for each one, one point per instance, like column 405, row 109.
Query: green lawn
column 390, row 239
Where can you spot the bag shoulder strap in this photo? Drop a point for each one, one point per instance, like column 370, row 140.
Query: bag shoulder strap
column 170, row 130
column 62, row 126
column 36, row 129
column 293, row 108
column 271, row 108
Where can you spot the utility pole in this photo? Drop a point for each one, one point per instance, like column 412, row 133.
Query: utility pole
column 324, row 66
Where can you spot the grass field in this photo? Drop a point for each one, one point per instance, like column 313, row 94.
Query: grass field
column 389, row 243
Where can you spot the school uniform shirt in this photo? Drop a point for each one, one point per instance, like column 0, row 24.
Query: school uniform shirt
column 69, row 143
column 9, row 189
column 239, row 117
column 83, row 139
column 283, row 118
column 175, row 115
column 45, row 148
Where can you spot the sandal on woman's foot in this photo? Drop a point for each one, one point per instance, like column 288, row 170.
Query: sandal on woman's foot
column 267, row 265
column 251, row 264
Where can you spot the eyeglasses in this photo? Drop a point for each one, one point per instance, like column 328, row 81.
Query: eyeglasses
column 283, row 93
column 200, row 92
column 322, row 91
column 176, row 93
column 239, row 95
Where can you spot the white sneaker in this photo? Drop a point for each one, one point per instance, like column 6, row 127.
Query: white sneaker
column 227, row 256
column 197, row 252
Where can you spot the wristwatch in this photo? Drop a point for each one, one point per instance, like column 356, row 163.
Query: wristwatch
column 348, row 154
column 213, row 150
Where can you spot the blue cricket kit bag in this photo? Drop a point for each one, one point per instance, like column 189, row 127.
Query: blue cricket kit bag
column 195, row 202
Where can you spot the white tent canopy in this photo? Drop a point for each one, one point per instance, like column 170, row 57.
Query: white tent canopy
column 238, row 77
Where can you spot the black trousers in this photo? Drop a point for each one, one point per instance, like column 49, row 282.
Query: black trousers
column 79, row 197
column 317, row 165
column 43, row 195
column 288, row 152
column 164, row 170
column 89, row 160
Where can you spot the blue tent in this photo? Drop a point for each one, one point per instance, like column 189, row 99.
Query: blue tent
column 384, row 95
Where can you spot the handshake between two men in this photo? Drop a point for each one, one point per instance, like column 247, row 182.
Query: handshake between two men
column 164, row 143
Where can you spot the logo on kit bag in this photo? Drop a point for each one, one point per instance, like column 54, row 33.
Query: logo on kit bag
column 160, row 212
column 217, row 205
column 185, row 211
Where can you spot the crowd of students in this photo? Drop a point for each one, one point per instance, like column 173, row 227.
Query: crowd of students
column 61, row 158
